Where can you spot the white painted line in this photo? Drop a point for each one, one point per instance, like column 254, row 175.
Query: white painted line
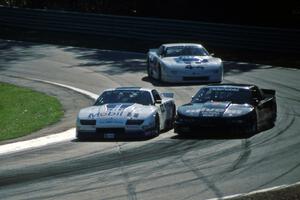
column 90, row 94
column 257, row 191
column 46, row 140
column 38, row 142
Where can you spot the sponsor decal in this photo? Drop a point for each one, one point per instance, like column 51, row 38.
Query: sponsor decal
column 113, row 111
column 193, row 67
column 205, row 110
column 210, row 114
column 93, row 115
column 225, row 89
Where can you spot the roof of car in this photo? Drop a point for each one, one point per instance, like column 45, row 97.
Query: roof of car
column 129, row 88
column 232, row 85
column 181, row 44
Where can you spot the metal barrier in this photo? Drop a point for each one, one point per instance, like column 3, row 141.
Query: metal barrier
column 153, row 29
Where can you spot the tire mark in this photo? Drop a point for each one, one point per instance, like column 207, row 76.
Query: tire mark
column 280, row 176
column 129, row 186
column 244, row 155
column 202, row 177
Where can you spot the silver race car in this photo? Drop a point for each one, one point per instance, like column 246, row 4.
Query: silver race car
column 127, row 112
column 183, row 62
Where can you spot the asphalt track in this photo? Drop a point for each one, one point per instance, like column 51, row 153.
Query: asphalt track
column 165, row 167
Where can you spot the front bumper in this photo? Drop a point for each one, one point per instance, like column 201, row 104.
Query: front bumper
column 114, row 133
column 220, row 125
column 190, row 78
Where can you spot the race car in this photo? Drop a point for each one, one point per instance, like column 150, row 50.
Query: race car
column 183, row 63
column 127, row 112
column 237, row 108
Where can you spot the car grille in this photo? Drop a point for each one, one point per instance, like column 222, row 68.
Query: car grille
column 88, row 122
column 202, row 121
column 110, row 130
column 134, row 122
column 195, row 78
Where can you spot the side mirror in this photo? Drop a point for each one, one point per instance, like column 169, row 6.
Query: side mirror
column 212, row 54
column 255, row 101
column 158, row 101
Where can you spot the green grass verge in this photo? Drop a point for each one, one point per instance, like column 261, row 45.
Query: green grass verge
column 23, row 111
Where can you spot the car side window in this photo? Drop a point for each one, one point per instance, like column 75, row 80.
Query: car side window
column 156, row 95
column 160, row 51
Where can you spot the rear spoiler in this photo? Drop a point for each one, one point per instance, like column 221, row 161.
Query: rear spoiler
column 152, row 50
column 167, row 95
column 269, row 92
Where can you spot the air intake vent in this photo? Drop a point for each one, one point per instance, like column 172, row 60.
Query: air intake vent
column 88, row 122
column 134, row 122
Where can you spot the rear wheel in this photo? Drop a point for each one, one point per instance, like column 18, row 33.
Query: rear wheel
column 159, row 73
column 157, row 126
column 274, row 115
column 170, row 122
column 149, row 72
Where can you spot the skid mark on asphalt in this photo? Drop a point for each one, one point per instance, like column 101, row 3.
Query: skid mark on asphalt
column 244, row 155
column 130, row 187
column 202, row 177
column 280, row 176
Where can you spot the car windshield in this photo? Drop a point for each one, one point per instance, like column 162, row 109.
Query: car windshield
column 124, row 96
column 185, row 51
column 221, row 94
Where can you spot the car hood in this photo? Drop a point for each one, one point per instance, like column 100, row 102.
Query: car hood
column 214, row 109
column 117, row 111
column 191, row 60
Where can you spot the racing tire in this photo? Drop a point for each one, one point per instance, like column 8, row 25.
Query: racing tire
column 80, row 137
column 274, row 115
column 149, row 70
column 170, row 123
column 253, row 128
column 173, row 115
column 159, row 73
column 157, row 126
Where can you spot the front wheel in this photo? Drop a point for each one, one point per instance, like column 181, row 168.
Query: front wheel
column 157, row 126
column 149, row 72
column 252, row 128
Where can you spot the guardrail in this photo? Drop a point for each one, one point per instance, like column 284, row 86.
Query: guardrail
column 153, row 29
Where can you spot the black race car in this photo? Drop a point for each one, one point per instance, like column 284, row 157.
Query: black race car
column 237, row 108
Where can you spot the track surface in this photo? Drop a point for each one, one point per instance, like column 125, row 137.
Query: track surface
column 165, row 167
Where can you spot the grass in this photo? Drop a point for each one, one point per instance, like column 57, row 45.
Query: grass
column 23, row 111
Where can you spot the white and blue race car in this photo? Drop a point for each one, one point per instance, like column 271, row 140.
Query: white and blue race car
column 127, row 112
column 183, row 63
